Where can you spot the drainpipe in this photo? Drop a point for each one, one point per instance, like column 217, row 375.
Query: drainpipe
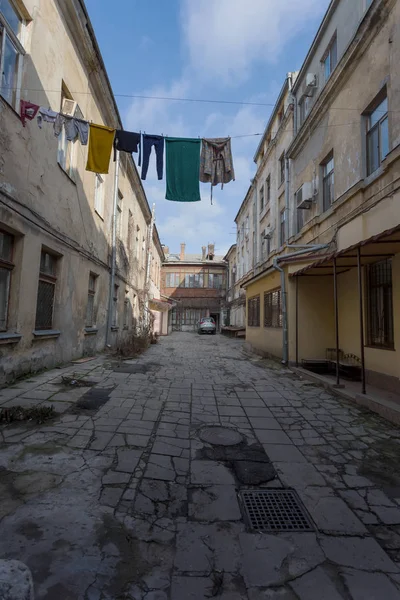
column 113, row 253
column 305, row 250
column 148, row 265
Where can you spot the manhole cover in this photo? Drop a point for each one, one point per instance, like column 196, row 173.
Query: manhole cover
column 220, row 436
column 274, row 510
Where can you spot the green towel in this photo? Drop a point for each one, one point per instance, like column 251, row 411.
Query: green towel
column 183, row 166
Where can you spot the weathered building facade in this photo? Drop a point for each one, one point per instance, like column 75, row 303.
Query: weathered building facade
column 339, row 275
column 56, row 218
column 196, row 283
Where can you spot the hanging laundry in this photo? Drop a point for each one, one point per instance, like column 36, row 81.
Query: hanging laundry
column 126, row 141
column 28, row 111
column 47, row 115
column 216, row 164
column 73, row 128
column 100, row 146
column 148, row 141
column 182, row 165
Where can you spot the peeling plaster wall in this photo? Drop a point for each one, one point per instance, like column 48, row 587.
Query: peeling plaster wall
column 42, row 206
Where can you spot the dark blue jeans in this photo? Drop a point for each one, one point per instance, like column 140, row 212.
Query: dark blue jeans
column 158, row 142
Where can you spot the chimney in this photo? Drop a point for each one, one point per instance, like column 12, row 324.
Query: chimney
column 182, row 254
column 211, row 248
column 203, row 253
column 166, row 249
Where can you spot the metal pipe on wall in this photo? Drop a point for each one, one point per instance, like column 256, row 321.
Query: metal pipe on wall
column 113, row 252
column 360, row 295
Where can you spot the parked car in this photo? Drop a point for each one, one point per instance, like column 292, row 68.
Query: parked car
column 207, row 325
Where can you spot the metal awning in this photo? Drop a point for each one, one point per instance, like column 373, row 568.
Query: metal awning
column 376, row 248
column 159, row 305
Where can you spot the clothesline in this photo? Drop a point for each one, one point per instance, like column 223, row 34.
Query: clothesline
column 186, row 166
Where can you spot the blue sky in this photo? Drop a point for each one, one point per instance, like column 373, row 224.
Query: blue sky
column 236, row 50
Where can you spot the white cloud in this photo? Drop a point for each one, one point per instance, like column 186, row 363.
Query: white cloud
column 226, row 38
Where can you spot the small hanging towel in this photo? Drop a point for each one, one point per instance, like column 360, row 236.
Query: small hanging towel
column 182, row 165
column 100, row 146
column 28, row 111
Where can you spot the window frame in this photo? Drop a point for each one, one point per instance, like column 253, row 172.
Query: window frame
column 49, row 279
column 16, row 40
column 370, row 129
column 99, row 195
column 282, row 175
column 7, row 265
column 282, row 227
column 328, row 54
column 384, row 295
column 66, row 150
column 262, row 199
column 299, row 211
column 328, row 177
column 91, row 301
column 273, row 309
column 253, row 311
column 268, row 186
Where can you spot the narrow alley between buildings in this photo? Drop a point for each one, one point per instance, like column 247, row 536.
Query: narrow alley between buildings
column 142, row 486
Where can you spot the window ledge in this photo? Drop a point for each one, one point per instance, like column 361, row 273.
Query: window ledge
column 10, row 338
column 373, row 347
column 114, row 328
column 91, row 330
column 66, row 174
column 46, row 334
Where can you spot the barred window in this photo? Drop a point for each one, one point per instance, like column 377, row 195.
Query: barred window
column 90, row 322
column 273, row 309
column 114, row 321
column 6, row 267
column 380, row 305
column 46, row 291
column 253, row 312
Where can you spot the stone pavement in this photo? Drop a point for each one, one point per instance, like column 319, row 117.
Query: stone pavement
column 120, row 496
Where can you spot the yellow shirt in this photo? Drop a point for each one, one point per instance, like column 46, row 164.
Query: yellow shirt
column 100, row 146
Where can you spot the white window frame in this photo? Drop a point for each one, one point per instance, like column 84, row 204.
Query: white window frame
column 7, row 265
column 99, row 195
column 17, row 41
column 67, row 149
column 328, row 54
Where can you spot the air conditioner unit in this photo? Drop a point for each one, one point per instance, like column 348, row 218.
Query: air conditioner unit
column 306, row 196
column 69, row 107
column 311, row 84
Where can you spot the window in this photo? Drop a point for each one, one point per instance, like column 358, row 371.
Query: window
column 261, row 198
column 67, row 149
column 118, row 224
column 299, row 211
column 233, row 276
column 114, row 321
column 268, row 187
column 46, row 291
column 265, row 243
column 304, row 106
column 253, row 312
column 380, row 305
column 215, row 281
column 328, row 181
column 282, row 227
column 377, row 136
column 143, row 253
column 6, row 267
column 273, row 309
column 126, row 310
column 282, row 169
column 330, row 59
column 172, row 280
column 11, row 51
column 90, row 303
column 99, row 195
column 130, row 232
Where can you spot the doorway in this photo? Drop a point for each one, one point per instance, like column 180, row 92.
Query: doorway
column 215, row 316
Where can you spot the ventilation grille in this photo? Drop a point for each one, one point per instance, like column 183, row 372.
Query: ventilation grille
column 274, row 511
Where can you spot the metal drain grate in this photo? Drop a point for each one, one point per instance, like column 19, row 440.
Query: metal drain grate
column 275, row 510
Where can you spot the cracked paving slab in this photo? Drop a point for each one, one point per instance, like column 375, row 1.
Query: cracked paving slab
column 124, row 500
